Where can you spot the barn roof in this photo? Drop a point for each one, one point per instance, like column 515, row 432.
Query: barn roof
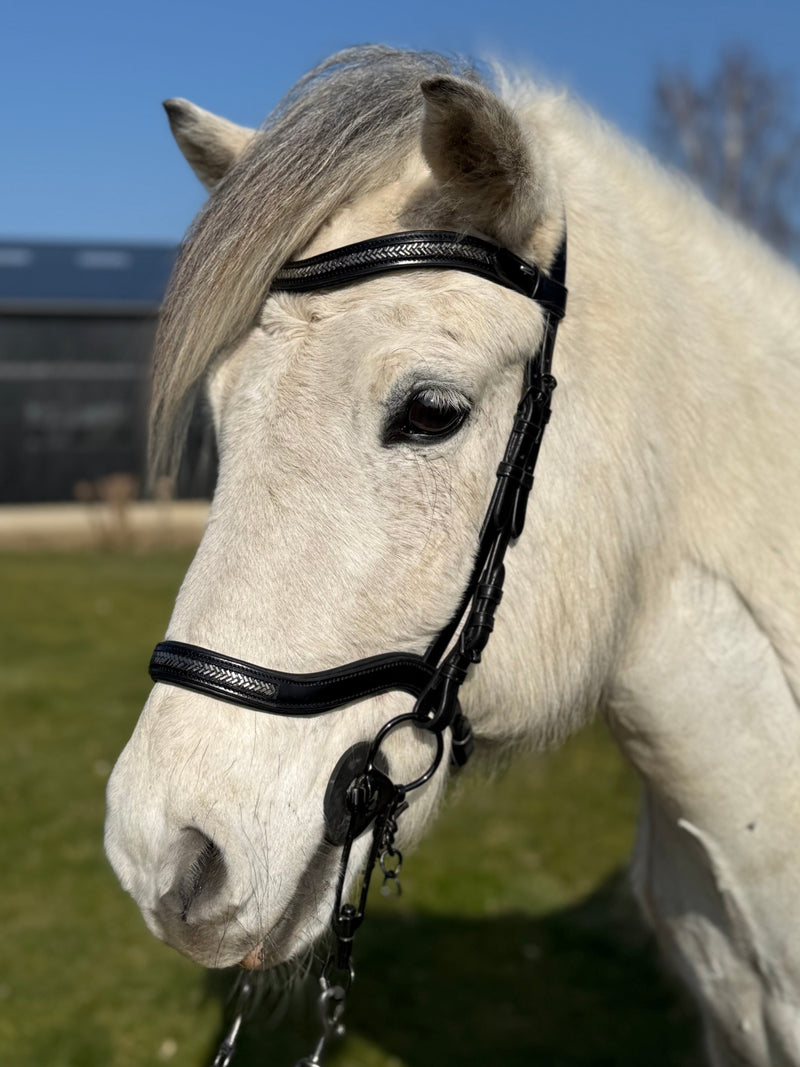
column 83, row 277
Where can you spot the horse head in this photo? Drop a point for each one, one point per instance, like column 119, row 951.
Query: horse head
column 359, row 429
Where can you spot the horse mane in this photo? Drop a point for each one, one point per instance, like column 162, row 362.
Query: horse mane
column 357, row 113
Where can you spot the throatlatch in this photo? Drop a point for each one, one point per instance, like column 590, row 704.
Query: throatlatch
column 360, row 793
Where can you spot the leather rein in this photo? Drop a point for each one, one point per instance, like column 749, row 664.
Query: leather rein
column 360, row 793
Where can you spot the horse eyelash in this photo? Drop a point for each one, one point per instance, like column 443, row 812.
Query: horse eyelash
column 440, row 394
column 443, row 396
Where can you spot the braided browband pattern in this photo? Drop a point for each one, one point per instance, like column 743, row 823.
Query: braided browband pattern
column 412, row 250
column 378, row 257
column 168, row 664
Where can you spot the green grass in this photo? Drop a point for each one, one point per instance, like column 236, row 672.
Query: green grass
column 515, row 941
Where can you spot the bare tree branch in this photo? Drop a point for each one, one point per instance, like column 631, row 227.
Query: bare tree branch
column 738, row 138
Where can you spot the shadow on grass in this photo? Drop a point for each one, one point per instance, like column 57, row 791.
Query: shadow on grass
column 583, row 986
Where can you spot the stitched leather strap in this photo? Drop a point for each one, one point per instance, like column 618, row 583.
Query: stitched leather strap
column 433, row 683
column 415, row 249
column 239, row 682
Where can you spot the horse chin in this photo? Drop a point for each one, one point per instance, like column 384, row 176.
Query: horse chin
column 266, row 956
column 304, row 921
column 285, row 946
column 257, row 960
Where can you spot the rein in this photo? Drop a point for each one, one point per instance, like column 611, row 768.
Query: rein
column 360, row 793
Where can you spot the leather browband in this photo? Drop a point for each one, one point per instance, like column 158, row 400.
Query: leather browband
column 417, row 249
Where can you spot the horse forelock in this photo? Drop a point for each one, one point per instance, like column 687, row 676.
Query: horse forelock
column 357, row 113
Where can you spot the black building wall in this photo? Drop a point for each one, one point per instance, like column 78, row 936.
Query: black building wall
column 73, row 401
column 77, row 325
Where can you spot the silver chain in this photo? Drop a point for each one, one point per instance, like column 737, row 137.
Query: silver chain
column 331, row 1004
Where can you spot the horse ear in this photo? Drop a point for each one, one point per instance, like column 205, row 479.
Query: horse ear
column 210, row 144
column 484, row 163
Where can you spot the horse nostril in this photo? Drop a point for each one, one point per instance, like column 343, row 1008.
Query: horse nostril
column 200, row 875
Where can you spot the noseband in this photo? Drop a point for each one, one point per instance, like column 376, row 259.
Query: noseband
column 360, row 794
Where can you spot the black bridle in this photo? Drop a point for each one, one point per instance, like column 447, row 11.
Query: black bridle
column 360, row 793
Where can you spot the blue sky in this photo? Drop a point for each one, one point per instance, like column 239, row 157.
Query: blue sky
column 85, row 146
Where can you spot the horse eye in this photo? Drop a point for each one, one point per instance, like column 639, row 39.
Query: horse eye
column 432, row 418
column 428, row 416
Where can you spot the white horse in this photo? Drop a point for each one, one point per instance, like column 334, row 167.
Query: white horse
column 658, row 578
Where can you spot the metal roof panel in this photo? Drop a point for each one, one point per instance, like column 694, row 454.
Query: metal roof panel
column 36, row 274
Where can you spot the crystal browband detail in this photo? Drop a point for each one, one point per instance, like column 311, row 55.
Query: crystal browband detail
column 419, row 250
column 170, row 662
column 366, row 255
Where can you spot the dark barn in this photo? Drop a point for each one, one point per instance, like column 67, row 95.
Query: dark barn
column 77, row 323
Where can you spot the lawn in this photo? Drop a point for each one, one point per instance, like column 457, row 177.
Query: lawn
column 515, row 941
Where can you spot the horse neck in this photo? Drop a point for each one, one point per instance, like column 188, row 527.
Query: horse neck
column 704, row 696
column 690, row 328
